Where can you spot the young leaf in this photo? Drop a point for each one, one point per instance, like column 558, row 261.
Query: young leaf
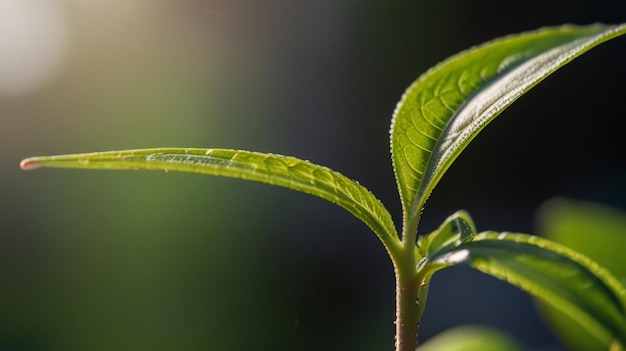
column 555, row 274
column 272, row 169
column 455, row 230
column 444, row 109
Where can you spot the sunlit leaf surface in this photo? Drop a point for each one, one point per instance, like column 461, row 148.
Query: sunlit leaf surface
column 450, row 104
column 557, row 275
column 272, row 169
column 595, row 230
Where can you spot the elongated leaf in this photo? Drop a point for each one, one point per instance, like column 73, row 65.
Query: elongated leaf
column 449, row 105
column 551, row 272
column 595, row 230
column 272, row 169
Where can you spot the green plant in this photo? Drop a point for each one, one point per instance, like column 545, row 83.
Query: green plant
column 433, row 123
column 594, row 230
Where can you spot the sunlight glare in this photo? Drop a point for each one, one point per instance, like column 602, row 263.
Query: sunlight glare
column 33, row 42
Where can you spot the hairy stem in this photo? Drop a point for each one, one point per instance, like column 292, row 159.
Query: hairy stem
column 407, row 316
column 407, row 292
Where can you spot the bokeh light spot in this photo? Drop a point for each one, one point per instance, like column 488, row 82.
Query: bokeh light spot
column 33, row 42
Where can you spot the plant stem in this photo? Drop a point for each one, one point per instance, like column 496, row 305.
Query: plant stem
column 408, row 287
column 407, row 312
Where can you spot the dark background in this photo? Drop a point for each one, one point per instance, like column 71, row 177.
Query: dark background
column 137, row 260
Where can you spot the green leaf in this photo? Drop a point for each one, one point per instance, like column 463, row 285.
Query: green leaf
column 555, row 274
column 455, row 230
column 594, row 230
column 444, row 109
column 471, row 338
column 272, row 169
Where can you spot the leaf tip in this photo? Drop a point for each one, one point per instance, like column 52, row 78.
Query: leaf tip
column 30, row 164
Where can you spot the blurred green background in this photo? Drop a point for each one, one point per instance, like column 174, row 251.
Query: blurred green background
column 153, row 261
